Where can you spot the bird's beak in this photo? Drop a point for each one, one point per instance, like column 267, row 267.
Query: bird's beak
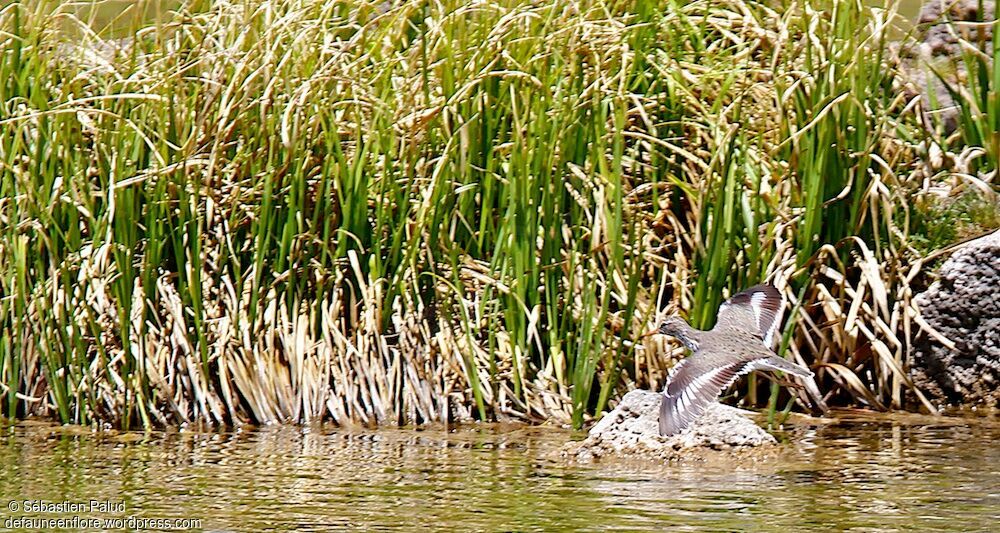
column 650, row 332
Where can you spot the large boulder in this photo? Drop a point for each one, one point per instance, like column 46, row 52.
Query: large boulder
column 632, row 430
column 963, row 306
column 942, row 25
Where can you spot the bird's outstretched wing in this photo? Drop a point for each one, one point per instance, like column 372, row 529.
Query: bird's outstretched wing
column 757, row 309
column 691, row 388
column 696, row 383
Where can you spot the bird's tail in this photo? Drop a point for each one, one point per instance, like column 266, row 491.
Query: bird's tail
column 783, row 365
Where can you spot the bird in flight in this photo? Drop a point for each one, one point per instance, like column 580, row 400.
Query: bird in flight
column 739, row 343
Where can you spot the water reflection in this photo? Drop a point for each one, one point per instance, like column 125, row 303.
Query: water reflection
column 864, row 473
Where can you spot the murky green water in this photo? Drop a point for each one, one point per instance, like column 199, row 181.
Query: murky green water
column 870, row 474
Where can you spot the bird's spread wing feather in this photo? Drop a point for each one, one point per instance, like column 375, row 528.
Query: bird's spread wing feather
column 693, row 386
column 757, row 309
column 690, row 391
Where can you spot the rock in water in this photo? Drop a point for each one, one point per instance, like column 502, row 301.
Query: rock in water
column 963, row 305
column 632, row 430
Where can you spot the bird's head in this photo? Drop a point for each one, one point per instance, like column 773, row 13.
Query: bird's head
column 672, row 326
column 676, row 327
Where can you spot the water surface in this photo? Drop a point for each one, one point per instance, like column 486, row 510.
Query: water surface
column 866, row 473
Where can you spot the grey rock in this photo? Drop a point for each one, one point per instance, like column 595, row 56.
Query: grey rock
column 942, row 24
column 942, row 38
column 963, row 305
column 632, row 430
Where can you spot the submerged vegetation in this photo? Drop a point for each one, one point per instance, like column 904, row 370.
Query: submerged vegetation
column 398, row 212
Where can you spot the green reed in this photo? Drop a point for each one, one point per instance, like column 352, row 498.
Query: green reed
column 296, row 210
column 975, row 89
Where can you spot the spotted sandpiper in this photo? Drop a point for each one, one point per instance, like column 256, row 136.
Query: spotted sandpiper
column 739, row 343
